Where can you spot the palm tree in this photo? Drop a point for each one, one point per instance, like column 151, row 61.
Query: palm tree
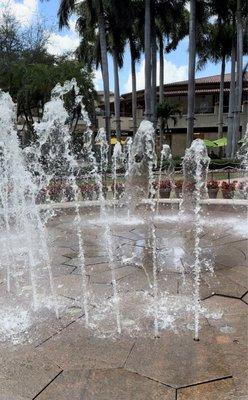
column 191, row 73
column 153, row 74
column 231, row 104
column 216, row 47
column 135, row 52
column 115, row 16
column 94, row 16
column 148, row 59
column 239, row 80
column 172, row 25
column 134, row 33
column 199, row 14
column 167, row 111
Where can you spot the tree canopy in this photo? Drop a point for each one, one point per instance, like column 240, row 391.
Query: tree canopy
column 29, row 72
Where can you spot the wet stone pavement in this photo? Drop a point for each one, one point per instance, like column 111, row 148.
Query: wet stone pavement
column 49, row 358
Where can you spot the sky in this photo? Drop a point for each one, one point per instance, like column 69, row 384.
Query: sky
column 175, row 68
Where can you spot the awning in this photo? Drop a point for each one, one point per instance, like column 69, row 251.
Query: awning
column 215, row 143
column 221, row 142
column 209, row 143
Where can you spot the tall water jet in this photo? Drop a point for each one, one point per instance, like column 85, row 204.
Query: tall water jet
column 195, row 168
column 127, row 160
column 166, row 163
column 243, row 158
column 24, row 233
column 101, row 140
column 117, row 160
column 140, row 186
column 54, row 151
column 127, row 152
column 142, row 156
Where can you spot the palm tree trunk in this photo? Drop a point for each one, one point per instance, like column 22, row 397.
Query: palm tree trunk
column 231, row 103
column 239, row 80
column 117, row 98
column 161, row 87
column 191, row 73
column 221, row 100
column 134, row 93
column 148, row 59
column 104, row 65
column 154, row 78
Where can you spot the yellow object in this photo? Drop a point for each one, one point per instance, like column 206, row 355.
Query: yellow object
column 114, row 140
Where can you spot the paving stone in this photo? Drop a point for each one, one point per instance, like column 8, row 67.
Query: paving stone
column 238, row 277
column 9, row 395
column 227, row 305
column 232, row 339
column 25, row 371
column 219, row 390
column 95, row 268
column 75, row 347
column 245, row 298
column 177, row 360
column 118, row 384
column 229, row 256
column 106, row 277
column 221, row 284
column 69, row 286
column 68, row 385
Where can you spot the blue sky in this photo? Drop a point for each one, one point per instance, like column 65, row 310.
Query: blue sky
column 175, row 62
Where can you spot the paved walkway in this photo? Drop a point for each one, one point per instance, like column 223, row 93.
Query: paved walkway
column 61, row 359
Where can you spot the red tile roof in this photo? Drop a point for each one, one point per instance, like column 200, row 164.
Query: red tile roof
column 215, row 79
column 208, row 79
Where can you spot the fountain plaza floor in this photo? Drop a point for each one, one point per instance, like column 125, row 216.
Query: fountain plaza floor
column 45, row 358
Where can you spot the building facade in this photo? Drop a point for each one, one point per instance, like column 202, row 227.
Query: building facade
column 206, row 110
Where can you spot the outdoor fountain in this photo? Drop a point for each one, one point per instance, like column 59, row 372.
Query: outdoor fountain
column 101, row 140
column 117, row 162
column 139, row 177
column 243, row 157
column 166, row 162
column 23, row 233
column 53, row 151
column 52, row 163
column 195, row 169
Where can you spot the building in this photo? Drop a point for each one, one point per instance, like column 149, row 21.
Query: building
column 206, row 109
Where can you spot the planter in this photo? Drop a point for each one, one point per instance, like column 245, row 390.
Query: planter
column 41, row 197
column 88, row 192
column 178, row 192
column 213, row 193
column 56, row 197
column 105, row 191
column 243, row 190
column 164, row 193
column 228, row 193
column 69, row 194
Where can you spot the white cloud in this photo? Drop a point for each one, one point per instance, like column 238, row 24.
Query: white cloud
column 24, row 12
column 59, row 44
column 27, row 11
column 97, row 79
column 172, row 73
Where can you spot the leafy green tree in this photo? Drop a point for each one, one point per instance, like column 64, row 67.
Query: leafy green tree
column 199, row 15
column 93, row 16
column 134, row 33
column 29, row 73
column 172, row 20
column 216, row 46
